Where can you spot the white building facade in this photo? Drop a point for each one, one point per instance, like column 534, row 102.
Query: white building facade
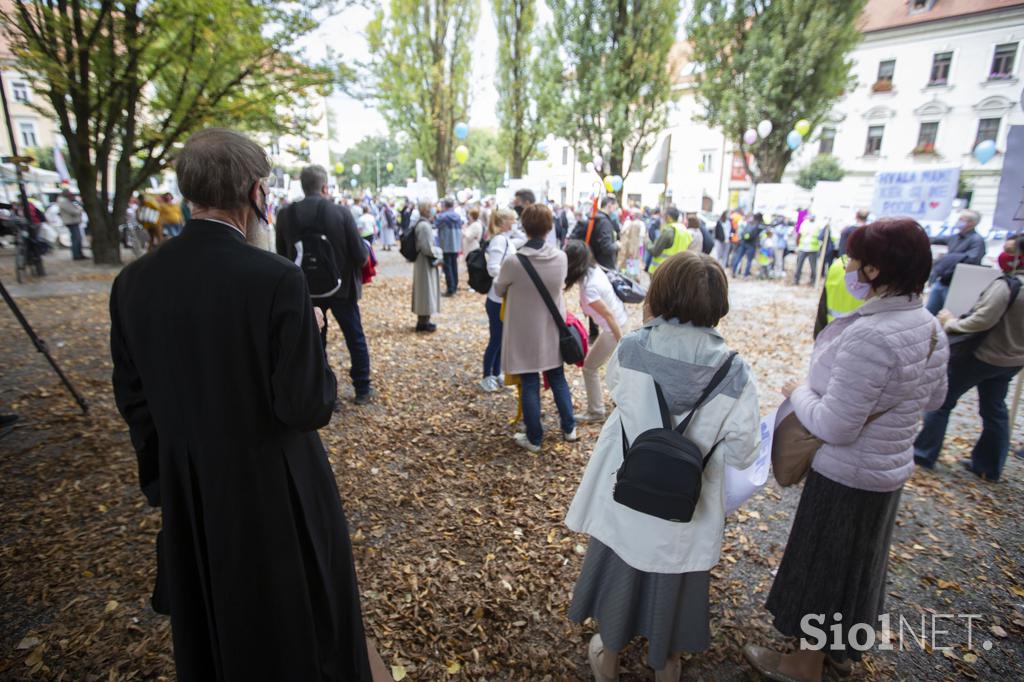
column 933, row 79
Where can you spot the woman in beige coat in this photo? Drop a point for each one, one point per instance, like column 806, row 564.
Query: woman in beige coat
column 426, row 282
column 529, row 342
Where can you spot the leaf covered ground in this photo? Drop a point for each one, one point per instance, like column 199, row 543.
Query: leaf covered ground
column 465, row 566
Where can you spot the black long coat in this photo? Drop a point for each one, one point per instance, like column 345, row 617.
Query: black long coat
column 222, row 378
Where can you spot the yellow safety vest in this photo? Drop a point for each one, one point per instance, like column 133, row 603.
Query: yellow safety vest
column 680, row 242
column 809, row 240
column 838, row 299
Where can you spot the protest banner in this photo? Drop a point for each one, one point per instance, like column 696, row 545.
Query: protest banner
column 1009, row 213
column 924, row 195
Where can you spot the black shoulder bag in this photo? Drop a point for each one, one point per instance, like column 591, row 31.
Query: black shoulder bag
column 569, row 342
column 662, row 470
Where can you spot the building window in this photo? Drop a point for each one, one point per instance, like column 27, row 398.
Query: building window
column 988, row 129
column 917, row 6
column 20, row 92
column 275, row 148
column 926, row 137
column 886, row 69
column 27, row 129
column 940, row 68
column 706, row 157
column 565, row 156
column 1002, row 62
column 874, row 143
column 828, row 140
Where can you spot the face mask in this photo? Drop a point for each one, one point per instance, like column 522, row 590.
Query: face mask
column 1006, row 261
column 859, row 290
column 518, row 210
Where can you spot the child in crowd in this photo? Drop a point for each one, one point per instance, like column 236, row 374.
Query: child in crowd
column 643, row 575
column 599, row 302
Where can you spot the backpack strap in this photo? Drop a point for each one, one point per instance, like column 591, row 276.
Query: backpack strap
column 715, row 381
column 544, row 294
column 666, row 416
column 308, row 227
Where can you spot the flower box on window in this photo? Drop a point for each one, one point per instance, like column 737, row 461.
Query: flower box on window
column 1000, row 76
column 937, row 81
column 924, row 150
column 882, row 86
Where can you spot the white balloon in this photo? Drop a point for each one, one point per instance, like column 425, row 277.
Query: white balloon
column 764, row 128
column 356, row 168
column 598, row 161
column 590, row 166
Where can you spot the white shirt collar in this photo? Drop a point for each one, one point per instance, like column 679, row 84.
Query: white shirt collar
column 233, row 227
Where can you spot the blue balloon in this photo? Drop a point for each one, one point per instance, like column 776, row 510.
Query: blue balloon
column 616, row 183
column 794, row 139
column 461, row 131
column 985, row 150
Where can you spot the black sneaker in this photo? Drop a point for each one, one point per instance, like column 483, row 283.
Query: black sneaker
column 7, row 420
column 365, row 397
column 428, row 327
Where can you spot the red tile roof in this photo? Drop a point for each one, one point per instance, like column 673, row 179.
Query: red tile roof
column 883, row 14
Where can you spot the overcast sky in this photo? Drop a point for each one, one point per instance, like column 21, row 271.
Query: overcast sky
column 346, row 34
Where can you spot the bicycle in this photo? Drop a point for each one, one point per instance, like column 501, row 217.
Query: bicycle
column 28, row 248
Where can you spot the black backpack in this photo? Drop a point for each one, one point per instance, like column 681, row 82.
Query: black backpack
column 476, row 264
column 407, row 245
column 315, row 255
column 662, row 470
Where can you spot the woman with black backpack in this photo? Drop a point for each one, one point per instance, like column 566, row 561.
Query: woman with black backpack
column 497, row 249
column 656, row 530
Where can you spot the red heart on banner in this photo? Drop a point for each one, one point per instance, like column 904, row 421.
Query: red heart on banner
column 933, row 204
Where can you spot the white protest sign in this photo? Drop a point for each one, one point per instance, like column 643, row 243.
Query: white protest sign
column 741, row 484
column 834, row 203
column 1009, row 213
column 918, row 194
column 966, row 286
column 780, row 198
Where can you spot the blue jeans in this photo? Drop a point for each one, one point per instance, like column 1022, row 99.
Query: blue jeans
column 346, row 312
column 745, row 249
column 531, row 402
column 989, row 452
column 76, row 240
column 451, row 272
column 937, row 297
column 492, row 355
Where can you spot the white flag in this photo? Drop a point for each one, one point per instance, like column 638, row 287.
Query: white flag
column 62, row 168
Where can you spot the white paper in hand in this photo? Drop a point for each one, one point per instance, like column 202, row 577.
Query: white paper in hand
column 741, row 484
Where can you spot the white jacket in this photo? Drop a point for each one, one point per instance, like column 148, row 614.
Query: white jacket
column 683, row 358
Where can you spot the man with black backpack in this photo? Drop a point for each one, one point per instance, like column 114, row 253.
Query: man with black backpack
column 321, row 237
column 601, row 238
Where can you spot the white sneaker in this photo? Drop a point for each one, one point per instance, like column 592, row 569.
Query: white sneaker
column 524, row 442
column 571, row 437
column 488, row 384
column 591, row 417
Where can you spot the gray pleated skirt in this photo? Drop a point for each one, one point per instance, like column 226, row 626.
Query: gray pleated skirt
column 835, row 560
column 669, row 610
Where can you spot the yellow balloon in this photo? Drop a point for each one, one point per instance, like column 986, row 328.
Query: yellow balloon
column 389, row 166
column 803, row 126
column 461, row 153
column 608, row 183
column 339, row 168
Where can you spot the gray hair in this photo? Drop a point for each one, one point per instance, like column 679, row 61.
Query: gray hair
column 217, row 168
column 424, row 206
column 971, row 215
column 313, row 178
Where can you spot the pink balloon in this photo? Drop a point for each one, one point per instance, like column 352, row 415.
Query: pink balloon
column 750, row 137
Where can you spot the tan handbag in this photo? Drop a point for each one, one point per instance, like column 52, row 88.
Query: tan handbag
column 794, row 447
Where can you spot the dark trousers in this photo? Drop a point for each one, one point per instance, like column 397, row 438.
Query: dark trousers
column 346, row 312
column 76, row 240
column 989, row 452
column 492, row 354
column 744, row 250
column 802, row 256
column 531, row 402
column 451, row 272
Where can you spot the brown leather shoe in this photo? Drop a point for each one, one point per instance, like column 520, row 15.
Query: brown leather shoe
column 766, row 662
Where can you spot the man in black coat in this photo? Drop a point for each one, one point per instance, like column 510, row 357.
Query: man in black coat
column 317, row 214
column 221, row 375
column 602, row 238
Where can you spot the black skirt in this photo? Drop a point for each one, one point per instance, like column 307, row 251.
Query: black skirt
column 835, row 560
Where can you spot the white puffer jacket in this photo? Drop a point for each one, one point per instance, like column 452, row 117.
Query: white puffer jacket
column 880, row 359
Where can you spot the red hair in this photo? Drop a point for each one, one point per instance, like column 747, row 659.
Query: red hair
column 899, row 248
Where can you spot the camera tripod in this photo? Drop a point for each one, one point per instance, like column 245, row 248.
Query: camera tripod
column 42, row 348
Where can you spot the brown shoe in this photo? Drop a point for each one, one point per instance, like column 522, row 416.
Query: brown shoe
column 766, row 662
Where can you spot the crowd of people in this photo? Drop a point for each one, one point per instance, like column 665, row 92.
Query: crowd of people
column 223, row 399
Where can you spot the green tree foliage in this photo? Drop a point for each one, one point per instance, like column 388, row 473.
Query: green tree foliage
column 780, row 60
column 528, row 78
column 128, row 82
column 822, row 167
column 617, row 83
column 373, row 150
column 420, row 68
column 485, row 168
